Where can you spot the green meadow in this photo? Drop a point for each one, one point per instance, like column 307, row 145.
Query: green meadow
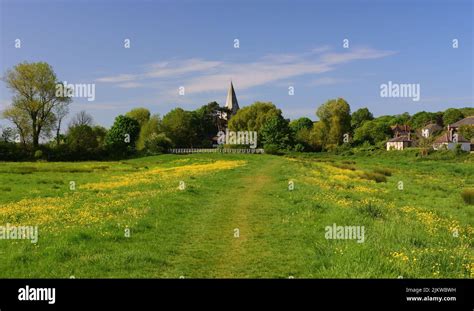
column 239, row 216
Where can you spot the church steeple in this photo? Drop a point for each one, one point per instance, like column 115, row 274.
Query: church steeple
column 231, row 102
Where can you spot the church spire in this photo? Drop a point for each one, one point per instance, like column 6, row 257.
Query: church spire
column 231, row 102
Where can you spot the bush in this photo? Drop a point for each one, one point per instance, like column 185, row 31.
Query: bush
column 468, row 195
column 272, row 149
column 38, row 154
column 299, row 147
column 383, row 171
column 373, row 176
column 158, row 143
column 373, row 211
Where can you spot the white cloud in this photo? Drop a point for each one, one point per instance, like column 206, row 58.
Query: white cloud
column 326, row 81
column 200, row 76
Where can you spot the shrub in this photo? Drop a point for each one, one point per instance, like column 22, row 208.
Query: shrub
column 344, row 166
column 468, row 195
column 38, row 154
column 373, row 211
column 272, row 149
column 158, row 143
column 299, row 147
column 373, row 176
column 383, row 171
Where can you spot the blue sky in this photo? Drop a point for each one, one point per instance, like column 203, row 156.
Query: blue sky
column 282, row 43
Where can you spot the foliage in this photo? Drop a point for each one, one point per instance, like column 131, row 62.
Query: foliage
column 451, row 116
column 253, row 117
column 35, row 99
column 360, row 116
column 123, row 134
column 276, row 132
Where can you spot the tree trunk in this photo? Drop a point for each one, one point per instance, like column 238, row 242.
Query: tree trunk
column 35, row 135
column 57, row 132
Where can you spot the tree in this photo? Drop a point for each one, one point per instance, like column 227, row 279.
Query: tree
column 451, row 116
column 374, row 131
column 158, row 143
column 142, row 115
column 207, row 122
column 335, row 118
column 467, row 131
column 7, row 134
column 276, row 132
column 318, row 136
column 81, row 138
column 150, row 128
column 100, row 134
column 253, row 117
column 422, row 118
column 34, row 87
column 21, row 122
column 301, row 123
column 179, row 127
column 81, row 118
column 359, row 116
column 403, row 118
column 123, row 134
column 60, row 111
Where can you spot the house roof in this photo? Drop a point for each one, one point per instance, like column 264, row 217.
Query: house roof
column 444, row 138
column 399, row 139
column 398, row 127
column 465, row 121
column 432, row 127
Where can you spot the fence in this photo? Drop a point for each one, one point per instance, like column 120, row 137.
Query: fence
column 215, row 150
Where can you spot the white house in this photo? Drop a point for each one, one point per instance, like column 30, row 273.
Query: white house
column 399, row 143
column 449, row 141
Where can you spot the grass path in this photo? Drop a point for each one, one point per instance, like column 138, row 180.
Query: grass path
column 212, row 243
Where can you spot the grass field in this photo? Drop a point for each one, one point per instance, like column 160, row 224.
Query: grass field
column 416, row 223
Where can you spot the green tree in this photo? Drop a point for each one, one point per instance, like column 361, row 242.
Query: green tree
column 206, row 121
column 276, row 132
column 335, row 118
column 403, row 118
column 467, row 131
column 359, row 116
column 81, row 138
column 123, row 134
column 301, row 123
column 373, row 132
column 253, row 117
column 34, row 86
column 150, row 128
column 422, row 118
column 100, row 135
column 21, row 122
column 158, row 143
column 451, row 116
column 141, row 115
column 178, row 125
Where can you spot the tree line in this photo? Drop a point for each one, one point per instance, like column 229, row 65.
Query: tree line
column 37, row 115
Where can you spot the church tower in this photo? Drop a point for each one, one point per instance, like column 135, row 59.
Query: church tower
column 231, row 102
